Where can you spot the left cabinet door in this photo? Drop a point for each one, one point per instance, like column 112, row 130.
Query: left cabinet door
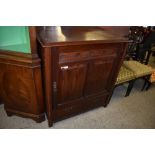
column 71, row 81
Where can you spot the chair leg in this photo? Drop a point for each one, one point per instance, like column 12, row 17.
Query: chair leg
column 130, row 86
column 145, row 83
column 148, row 86
column 147, row 80
column 148, row 57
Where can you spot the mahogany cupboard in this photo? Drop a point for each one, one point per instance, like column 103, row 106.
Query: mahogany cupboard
column 79, row 67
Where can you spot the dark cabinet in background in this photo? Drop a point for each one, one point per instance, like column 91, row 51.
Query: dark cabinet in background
column 80, row 66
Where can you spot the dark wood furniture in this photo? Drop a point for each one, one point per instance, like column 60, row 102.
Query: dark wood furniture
column 80, row 66
column 142, row 40
column 21, row 82
column 1, row 102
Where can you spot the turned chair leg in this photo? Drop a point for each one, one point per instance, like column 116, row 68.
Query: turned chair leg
column 130, row 86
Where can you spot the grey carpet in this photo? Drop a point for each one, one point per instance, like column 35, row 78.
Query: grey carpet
column 135, row 111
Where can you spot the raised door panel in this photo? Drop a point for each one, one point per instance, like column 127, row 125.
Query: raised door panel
column 99, row 75
column 71, row 82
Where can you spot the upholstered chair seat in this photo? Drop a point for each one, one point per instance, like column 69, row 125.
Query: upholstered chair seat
column 139, row 69
column 132, row 70
column 124, row 75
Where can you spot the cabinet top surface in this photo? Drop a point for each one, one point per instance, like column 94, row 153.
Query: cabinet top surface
column 61, row 35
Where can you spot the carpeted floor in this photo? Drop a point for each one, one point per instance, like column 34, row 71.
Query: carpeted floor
column 135, row 111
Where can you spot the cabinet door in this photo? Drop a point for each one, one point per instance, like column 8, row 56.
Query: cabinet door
column 99, row 75
column 71, row 82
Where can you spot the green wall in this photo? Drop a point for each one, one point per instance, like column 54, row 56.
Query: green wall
column 15, row 38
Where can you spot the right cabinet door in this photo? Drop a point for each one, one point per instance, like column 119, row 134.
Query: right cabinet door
column 100, row 74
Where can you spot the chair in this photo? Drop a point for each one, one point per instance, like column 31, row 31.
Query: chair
column 130, row 71
column 125, row 76
column 139, row 70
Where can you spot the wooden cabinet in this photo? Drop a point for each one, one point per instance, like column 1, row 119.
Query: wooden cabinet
column 20, row 74
column 80, row 67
